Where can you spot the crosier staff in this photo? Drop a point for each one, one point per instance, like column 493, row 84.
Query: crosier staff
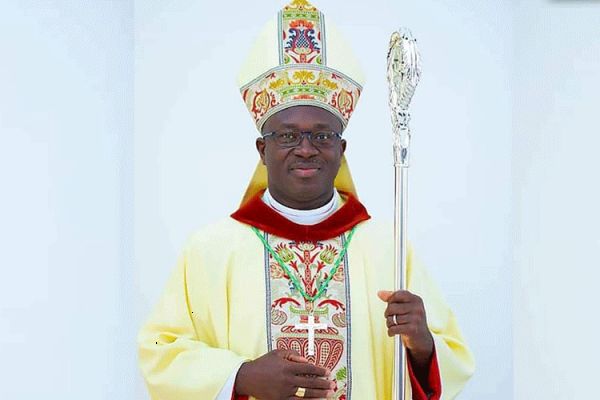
column 403, row 73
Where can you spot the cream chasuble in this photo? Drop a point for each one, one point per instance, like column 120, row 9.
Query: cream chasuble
column 228, row 301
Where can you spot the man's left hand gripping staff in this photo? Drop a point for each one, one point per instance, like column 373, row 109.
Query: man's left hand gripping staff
column 405, row 316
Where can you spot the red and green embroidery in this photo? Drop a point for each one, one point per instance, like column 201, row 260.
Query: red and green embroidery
column 311, row 287
column 302, row 31
column 313, row 265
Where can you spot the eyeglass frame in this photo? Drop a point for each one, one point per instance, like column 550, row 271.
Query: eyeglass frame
column 308, row 135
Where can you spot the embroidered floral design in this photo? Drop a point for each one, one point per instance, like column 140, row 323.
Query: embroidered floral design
column 339, row 319
column 278, row 317
column 339, row 275
column 261, row 102
column 285, row 253
column 301, row 34
column 328, row 254
column 319, row 86
column 307, row 246
column 276, row 271
column 302, row 76
column 345, row 102
column 301, row 42
column 311, row 263
column 340, row 377
column 301, row 5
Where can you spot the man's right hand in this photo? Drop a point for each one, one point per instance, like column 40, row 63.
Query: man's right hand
column 278, row 374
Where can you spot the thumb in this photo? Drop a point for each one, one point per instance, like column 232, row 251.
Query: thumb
column 384, row 295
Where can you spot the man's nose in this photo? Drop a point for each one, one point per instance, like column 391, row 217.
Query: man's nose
column 305, row 148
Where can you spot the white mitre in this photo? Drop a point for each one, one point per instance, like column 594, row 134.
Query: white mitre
column 300, row 58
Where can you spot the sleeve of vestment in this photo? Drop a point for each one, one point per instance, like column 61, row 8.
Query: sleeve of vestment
column 455, row 361
column 227, row 391
column 178, row 362
column 430, row 388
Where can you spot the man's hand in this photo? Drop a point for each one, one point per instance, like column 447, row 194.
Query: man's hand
column 410, row 322
column 278, row 374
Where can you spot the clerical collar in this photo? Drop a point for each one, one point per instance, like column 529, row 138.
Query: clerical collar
column 257, row 213
column 304, row 217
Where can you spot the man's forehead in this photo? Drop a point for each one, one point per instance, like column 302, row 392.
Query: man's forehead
column 300, row 116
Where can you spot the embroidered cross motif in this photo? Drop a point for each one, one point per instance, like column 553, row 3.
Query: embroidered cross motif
column 312, row 327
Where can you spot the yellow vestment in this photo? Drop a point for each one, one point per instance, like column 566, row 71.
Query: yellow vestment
column 212, row 316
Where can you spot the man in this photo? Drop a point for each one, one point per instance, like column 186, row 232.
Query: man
column 286, row 299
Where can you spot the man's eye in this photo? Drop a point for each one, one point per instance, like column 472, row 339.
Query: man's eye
column 287, row 136
column 322, row 136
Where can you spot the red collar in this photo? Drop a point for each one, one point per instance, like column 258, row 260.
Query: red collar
column 256, row 213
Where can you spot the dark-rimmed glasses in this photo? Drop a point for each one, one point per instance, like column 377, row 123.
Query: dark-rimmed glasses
column 320, row 139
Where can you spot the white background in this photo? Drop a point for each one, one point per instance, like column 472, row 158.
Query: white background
column 556, row 175
column 66, row 104
column 96, row 204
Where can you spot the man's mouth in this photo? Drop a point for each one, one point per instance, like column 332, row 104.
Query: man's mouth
column 305, row 171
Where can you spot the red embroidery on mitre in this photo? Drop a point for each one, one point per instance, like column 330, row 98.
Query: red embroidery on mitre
column 256, row 213
column 345, row 103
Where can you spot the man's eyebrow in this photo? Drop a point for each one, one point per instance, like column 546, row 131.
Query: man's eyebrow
column 319, row 126
column 316, row 126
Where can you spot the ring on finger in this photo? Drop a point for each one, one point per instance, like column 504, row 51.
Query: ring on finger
column 300, row 392
column 394, row 319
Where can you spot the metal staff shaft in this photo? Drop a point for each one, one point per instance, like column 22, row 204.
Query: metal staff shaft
column 404, row 71
column 400, row 257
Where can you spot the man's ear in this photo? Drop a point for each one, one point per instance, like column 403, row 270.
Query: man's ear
column 260, row 146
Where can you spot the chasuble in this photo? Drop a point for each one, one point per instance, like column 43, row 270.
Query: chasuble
column 229, row 300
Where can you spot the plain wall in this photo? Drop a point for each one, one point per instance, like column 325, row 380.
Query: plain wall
column 557, row 192
column 66, row 104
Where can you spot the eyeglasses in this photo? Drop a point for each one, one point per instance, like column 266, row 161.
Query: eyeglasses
column 319, row 139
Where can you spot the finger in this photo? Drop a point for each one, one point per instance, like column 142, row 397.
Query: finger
column 384, row 294
column 314, row 383
column 399, row 296
column 315, row 394
column 297, row 358
column 400, row 309
column 318, row 393
column 292, row 355
column 309, row 369
column 399, row 320
column 403, row 296
column 409, row 329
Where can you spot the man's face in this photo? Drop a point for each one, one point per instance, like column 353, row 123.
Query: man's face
column 301, row 177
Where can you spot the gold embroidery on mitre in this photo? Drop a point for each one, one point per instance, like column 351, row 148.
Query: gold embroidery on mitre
column 302, row 76
column 287, row 86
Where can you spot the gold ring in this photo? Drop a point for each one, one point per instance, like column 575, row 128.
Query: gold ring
column 300, row 392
